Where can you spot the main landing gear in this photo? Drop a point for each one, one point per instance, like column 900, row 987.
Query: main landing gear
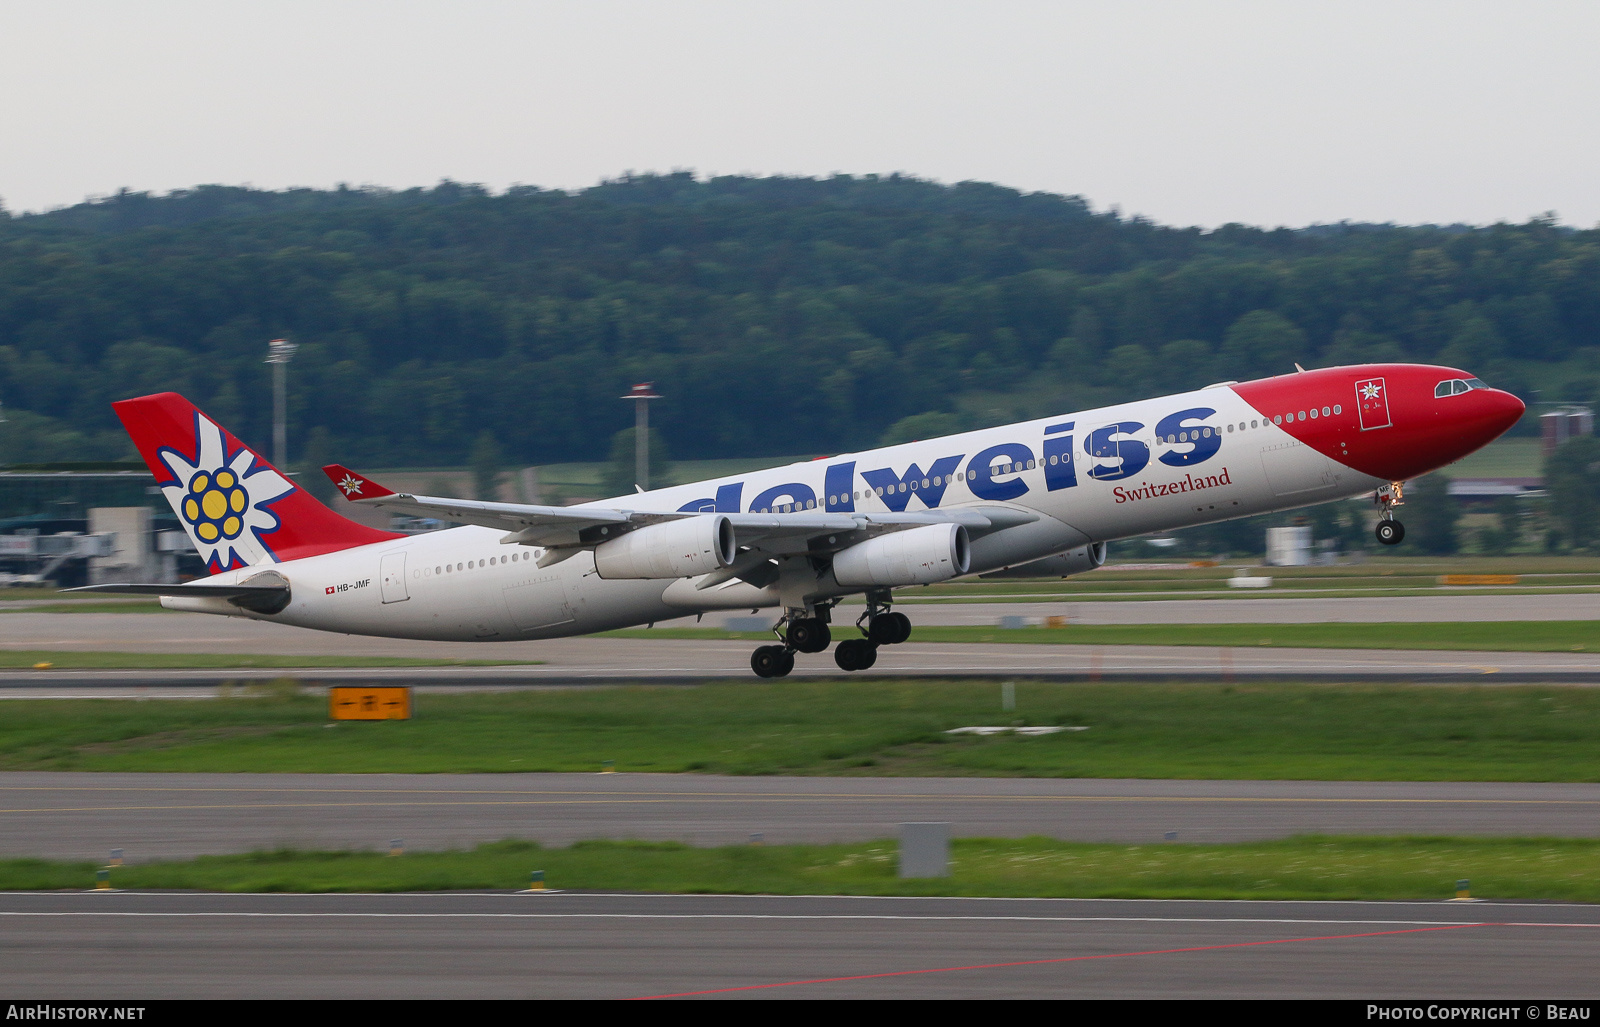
column 804, row 634
column 1389, row 531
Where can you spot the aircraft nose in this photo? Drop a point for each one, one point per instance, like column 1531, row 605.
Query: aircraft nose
column 1501, row 411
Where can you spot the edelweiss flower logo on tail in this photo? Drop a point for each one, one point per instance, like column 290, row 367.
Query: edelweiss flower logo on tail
column 222, row 500
column 351, row 484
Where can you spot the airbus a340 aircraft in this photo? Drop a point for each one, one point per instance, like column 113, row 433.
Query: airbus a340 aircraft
column 1036, row 499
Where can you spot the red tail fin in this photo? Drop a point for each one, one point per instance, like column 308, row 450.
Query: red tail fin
column 238, row 510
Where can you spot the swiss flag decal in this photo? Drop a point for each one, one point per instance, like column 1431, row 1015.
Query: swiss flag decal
column 1372, row 400
column 328, row 591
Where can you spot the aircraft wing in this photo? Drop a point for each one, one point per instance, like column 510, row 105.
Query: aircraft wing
column 567, row 529
column 528, row 524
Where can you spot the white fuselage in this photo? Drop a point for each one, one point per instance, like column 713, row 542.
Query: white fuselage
column 1094, row 476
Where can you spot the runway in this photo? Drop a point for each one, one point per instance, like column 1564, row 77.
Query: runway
column 132, row 946
column 1238, row 609
column 601, row 661
column 598, row 660
column 571, row 661
column 76, row 816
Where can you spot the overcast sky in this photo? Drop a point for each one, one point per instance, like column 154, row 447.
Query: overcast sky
column 1286, row 112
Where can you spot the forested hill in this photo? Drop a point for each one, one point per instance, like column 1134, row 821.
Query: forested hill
column 777, row 315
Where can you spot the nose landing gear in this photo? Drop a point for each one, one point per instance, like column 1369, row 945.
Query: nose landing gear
column 1389, row 531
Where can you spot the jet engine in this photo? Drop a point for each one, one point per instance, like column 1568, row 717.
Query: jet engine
column 1073, row 561
column 672, row 549
column 916, row 556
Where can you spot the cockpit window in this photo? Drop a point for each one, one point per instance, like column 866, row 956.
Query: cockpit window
column 1455, row 387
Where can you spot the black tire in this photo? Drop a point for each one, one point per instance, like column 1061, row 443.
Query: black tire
column 855, row 654
column 884, row 629
column 808, row 635
column 787, row 656
column 902, row 627
column 768, row 661
column 1390, row 533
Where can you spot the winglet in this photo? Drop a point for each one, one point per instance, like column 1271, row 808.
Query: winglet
column 355, row 487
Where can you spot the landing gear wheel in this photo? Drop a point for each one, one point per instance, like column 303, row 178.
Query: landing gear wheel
column 855, row 654
column 1390, row 532
column 889, row 628
column 809, row 635
column 772, row 661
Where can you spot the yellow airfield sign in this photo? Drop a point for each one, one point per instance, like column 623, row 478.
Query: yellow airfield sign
column 359, row 702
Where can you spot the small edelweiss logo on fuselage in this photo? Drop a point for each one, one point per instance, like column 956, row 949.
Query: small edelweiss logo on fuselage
column 351, row 484
column 1370, row 390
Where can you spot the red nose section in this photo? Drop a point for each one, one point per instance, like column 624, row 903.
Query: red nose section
column 1390, row 421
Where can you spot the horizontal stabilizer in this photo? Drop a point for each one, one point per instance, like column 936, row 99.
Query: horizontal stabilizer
column 200, row 591
column 269, row 596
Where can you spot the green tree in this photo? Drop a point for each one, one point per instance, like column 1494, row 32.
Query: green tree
column 1128, row 369
column 923, row 426
column 1185, row 364
column 1572, row 481
column 1262, row 343
column 1430, row 515
column 621, row 473
column 486, row 468
column 1474, row 346
column 317, row 456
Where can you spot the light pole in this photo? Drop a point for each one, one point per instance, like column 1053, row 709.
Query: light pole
column 278, row 353
column 641, row 395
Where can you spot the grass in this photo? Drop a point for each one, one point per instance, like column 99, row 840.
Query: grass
column 1502, row 458
column 854, row 727
column 1308, row 867
column 92, row 660
column 1490, row 636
